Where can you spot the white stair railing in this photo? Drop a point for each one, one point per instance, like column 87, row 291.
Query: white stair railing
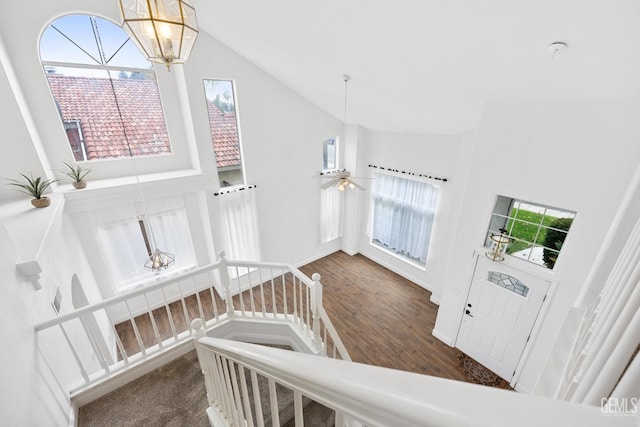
column 85, row 347
column 363, row 395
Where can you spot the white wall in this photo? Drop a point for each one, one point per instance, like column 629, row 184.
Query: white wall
column 282, row 136
column 581, row 158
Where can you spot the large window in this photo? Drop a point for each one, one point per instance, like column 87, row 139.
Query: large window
column 536, row 232
column 403, row 214
column 125, row 241
column 223, row 120
column 105, row 90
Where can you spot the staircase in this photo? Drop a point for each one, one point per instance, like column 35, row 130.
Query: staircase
column 278, row 305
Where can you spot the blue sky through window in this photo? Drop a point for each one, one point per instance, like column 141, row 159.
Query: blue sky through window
column 54, row 46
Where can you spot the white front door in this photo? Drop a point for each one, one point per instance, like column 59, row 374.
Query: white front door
column 500, row 312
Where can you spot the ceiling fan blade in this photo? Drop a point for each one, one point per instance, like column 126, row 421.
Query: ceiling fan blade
column 358, row 186
column 329, row 184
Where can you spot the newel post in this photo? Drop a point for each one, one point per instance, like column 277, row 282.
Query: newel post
column 316, row 305
column 226, row 284
column 198, row 331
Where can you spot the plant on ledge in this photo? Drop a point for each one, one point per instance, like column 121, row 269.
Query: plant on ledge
column 34, row 187
column 77, row 174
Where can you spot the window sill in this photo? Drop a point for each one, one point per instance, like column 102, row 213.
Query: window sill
column 400, row 257
column 106, row 192
column 153, row 279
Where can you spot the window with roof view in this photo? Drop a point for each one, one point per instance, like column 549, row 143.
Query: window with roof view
column 223, row 120
column 536, row 232
column 105, row 90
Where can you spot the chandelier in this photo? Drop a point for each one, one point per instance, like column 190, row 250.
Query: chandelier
column 164, row 30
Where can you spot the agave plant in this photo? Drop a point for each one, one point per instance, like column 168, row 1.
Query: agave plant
column 77, row 173
column 34, row 187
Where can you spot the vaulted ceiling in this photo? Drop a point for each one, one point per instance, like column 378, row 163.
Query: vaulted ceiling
column 430, row 66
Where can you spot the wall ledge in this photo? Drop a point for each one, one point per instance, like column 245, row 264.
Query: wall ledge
column 29, row 228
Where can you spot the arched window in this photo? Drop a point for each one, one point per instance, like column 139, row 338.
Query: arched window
column 105, row 90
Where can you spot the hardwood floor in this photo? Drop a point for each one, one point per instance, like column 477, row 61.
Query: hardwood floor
column 382, row 318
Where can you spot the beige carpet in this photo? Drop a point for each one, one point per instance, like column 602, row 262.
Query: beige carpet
column 173, row 395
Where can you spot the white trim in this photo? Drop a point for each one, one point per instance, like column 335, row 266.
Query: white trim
column 445, row 339
column 434, row 299
column 537, row 324
column 399, row 272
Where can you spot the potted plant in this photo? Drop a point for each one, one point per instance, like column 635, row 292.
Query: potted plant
column 34, row 187
column 77, row 173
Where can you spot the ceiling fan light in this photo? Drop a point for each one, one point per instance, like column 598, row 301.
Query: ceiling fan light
column 352, row 186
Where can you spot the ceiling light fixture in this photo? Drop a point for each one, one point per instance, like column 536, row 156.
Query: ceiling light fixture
column 165, row 30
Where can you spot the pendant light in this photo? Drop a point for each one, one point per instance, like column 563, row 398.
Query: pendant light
column 164, row 30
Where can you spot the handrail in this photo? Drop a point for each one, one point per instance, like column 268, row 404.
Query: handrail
column 85, row 346
column 379, row 396
column 337, row 341
column 125, row 296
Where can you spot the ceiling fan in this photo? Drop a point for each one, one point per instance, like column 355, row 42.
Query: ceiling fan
column 341, row 178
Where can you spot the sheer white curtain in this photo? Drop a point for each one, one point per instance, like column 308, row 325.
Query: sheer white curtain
column 330, row 224
column 403, row 214
column 239, row 219
column 122, row 243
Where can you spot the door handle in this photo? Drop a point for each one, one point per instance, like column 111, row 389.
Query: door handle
column 468, row 313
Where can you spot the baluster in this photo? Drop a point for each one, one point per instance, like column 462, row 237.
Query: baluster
column 308, row 322
column 223, row 386
column 195, row 287
column 316, row 303
column 295, row 300
column 197, row 326
column 301, row 314
column 236, row 389
column 135, row 330
column 273, row 400
column 185, row 310
column 284, row 295
column 245, row 397
column 297, row 403
column 212, row 382
column 226, row 284
column 257, row 403
column 251, row 297
column 169, row 316
column 214, row 301
column 123, row 352
column 153, row 322
column 232, row 402
column 240, row 293
column 264, row 309
column 273, row 295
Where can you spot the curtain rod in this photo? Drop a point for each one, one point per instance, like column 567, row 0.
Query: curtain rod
column 233, row 190
column 410, row 173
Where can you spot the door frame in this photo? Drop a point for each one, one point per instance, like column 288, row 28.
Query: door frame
column 525, row 267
